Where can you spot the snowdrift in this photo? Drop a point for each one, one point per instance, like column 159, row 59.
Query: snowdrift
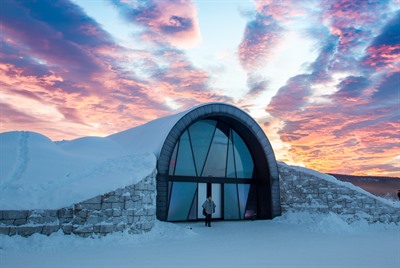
column 36, row 173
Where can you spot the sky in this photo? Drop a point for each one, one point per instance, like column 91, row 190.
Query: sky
column 322, row 78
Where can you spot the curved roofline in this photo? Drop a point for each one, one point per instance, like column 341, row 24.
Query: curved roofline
column 236, row 117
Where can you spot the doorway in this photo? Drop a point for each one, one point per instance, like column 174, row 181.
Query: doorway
column 205, row 190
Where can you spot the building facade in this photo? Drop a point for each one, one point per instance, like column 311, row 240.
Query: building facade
column 217, row 149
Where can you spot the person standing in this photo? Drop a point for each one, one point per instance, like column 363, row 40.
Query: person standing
column 398, row 194
column 209, row 207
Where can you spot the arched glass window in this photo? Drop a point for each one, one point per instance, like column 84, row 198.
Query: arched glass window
column 211, row 149
column 210, row 157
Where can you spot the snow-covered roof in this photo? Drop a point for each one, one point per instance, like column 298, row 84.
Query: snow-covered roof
column 37, row 173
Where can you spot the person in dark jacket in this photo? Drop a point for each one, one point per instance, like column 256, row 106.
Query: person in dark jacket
column 209, row 207
column 398, row 194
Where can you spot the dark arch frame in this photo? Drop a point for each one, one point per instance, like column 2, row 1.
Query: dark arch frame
column 268, row 192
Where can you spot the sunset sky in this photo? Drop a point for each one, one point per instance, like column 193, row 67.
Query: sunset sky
column 322, row 78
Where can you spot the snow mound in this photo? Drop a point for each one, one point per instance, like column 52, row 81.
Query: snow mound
column 331, row 222
column 36, row 173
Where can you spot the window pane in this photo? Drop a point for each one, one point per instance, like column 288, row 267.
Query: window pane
column 173, row 160
column 243, row 160
column 193, row 210
column 216, row 159
column 201, row 134
column 230, row 169
column 251, row 207
column 231, row 208
column 243, row 193
column 184, row 163
column 181, row 199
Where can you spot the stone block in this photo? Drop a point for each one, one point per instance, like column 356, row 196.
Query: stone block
column 118, row 205
column 29, row 230
column 106, row 205
column 4, row 230
column 49, row 229
column 78, row 229
column 65, row 213
column 7, row 222
column 78, row 221
column 94, row 219
column 15, row 214
column 106, row 228
column 108, row 212
column 82, row 214
column 96, row 229
column 116, row 212
column 13, row 231
column 19, row 222
column 91, row 206
column 140, row 212
column 64, row 220
column 151, row 211
column 111, row 199
column 129, row 204
column 42, row 219
column 67, row 229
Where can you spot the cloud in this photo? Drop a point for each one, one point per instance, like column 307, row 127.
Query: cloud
column 384, row 50
column 351, row 88
column 53, row 35
column 260, row 36
column 290, row 98
column 389, row 90
column 174, row 21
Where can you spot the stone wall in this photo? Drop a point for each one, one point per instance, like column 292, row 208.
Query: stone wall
column 132, row 208
column 308, row 190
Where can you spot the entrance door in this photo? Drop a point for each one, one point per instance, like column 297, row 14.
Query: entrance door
column 205, row 189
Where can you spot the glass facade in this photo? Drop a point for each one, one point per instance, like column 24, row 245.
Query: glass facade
column 213, row 150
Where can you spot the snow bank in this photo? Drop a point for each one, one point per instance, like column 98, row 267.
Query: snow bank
column 332, row 222
column 289, row 241
column 36, row 173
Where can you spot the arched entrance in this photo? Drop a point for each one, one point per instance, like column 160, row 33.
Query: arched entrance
column 211, row 158
column 217, row 149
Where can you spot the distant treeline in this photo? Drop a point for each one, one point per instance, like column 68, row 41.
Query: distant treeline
column 350, row 178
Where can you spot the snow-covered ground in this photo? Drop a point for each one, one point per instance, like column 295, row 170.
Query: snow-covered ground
column 292, row 240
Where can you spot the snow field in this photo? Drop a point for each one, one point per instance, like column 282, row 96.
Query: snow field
column 292, row 240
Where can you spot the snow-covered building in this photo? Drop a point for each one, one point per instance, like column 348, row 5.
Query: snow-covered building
column 163, row 170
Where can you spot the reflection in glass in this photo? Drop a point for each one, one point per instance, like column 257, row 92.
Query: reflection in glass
column 243, row 193
column 231, row 208
column 172, row 162
column 185, row 164
column 216, row 159
column 181, row 200
column 251, row 207
column 193, row 210
column 230, row 164
column 201, row 134
column 243, row 160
